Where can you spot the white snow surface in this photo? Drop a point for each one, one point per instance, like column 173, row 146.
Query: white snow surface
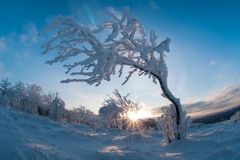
column 28, row 137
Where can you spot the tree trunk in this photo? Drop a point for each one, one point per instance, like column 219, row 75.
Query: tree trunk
column 175, row 101
column 124, row 125
column 116, row 121
column 167, row 93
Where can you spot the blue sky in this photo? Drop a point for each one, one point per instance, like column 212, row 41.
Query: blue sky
column 204, row 50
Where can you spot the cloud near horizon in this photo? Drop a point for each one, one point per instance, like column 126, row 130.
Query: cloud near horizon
column 216, row 101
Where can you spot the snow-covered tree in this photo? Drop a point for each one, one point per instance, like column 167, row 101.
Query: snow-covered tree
column 115, row 109
column 110, row 114
column 29, row 98
column 126, row 44
column 6, row 92
column 125, row 106
column 25, row 97
column 46, row 102
column 31, row 102
column 57, row 109
column 81, row 115
column 19, row 94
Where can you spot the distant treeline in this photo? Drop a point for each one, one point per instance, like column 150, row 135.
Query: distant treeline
column 31, row 99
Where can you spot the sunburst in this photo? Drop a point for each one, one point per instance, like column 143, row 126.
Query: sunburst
column 135, row 117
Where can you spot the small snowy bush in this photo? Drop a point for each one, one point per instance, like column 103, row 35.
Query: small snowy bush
column 81, row 115
column 114, row 113
column 168, row 125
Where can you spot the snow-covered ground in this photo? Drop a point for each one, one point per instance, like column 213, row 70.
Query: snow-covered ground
column 27, row 137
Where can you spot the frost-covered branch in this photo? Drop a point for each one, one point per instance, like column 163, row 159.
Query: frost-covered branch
column 126, row 44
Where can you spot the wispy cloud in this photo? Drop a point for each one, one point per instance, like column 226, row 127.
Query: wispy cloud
column 29, row 35
column 212, row 62
column 2, row 45
column 21, row 44
column 154, row 5
column 3, row 71
column 21, row 50
column 216, row 101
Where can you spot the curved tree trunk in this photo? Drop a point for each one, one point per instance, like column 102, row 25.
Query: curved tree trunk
column 167, row 93
column 175, row 101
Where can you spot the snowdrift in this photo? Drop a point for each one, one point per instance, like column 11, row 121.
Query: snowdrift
column 24, row 137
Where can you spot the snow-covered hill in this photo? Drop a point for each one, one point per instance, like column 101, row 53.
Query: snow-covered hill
column 27, row 137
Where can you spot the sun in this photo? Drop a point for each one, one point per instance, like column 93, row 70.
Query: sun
column 141, row 114
column 133, row 116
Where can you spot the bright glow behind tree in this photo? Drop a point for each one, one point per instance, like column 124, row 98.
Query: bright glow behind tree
column 141, row 114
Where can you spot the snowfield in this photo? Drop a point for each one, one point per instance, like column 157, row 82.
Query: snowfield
column 26, row 137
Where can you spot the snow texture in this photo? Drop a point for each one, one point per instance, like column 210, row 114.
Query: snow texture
column 24, row 136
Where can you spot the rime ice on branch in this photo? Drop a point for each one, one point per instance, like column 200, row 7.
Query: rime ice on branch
column 126, row 44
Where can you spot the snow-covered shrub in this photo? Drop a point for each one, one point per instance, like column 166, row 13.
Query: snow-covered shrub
column 81, row 115
column 29, row 98
column 110, row 115
column 167, row 124
column 126, row 106
column 57, row 109
column 32, row 101
column 25, row 97
column 235, row 117
column 6, row 92
column 19, row 93
column 114, row 113
column 46, row 102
